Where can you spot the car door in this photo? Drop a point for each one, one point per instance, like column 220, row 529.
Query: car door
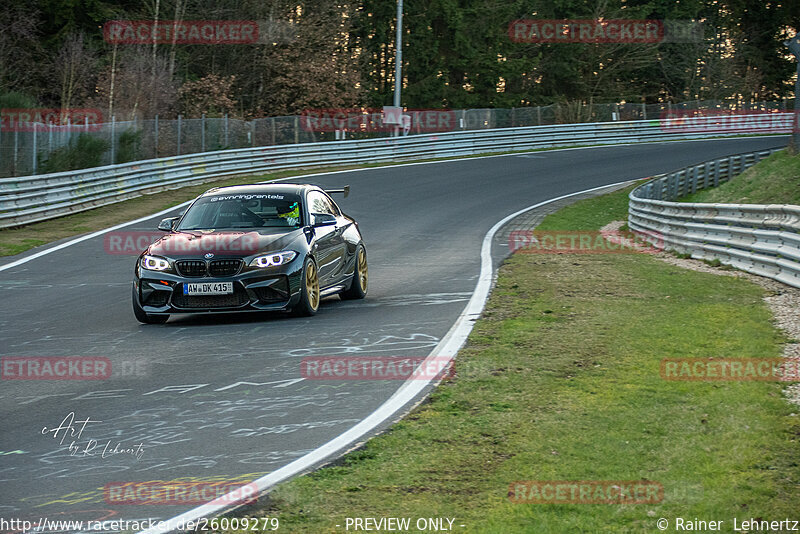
column 329, row 245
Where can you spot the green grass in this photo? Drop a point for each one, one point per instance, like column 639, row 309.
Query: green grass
column 560, row 381
column 775, row 180
column 591, row 213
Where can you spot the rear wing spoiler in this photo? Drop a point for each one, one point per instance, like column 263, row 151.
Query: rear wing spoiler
column 345, row 191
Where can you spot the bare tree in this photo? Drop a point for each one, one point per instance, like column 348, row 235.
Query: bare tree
column 75, row 66
column 19, row 46
column 132, row 91
column 211, row 95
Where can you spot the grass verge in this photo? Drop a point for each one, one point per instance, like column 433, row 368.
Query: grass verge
column 775, row 180
column 560, row 381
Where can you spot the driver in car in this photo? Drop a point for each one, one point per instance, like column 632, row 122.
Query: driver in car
column 292, row 216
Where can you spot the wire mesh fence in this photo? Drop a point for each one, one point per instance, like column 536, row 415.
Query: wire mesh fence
column 53, row 147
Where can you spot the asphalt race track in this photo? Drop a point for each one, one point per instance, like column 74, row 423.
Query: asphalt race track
column 221, row 397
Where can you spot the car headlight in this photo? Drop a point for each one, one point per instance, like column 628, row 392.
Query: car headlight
column 273, row 260
column 154, row 263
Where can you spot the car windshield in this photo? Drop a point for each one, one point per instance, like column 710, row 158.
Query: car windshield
column 256, row 210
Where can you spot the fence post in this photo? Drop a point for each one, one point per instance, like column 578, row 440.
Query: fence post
column 178, row 149
column 203, row 132
column 113, row 138
column 35, row 130
column 273, row 131
column 644, row 111
column 155, row 138
column 226, row 131
column 49, row 136
column 538, row 115
column 16, row 149
column 296, row 130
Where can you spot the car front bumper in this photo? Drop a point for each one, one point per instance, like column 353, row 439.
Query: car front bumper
column 253, row 290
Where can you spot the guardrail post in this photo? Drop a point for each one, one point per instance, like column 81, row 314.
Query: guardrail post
column 729, row 170
column 178, row 149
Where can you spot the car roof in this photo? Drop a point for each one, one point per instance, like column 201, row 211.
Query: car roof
column 289, row 189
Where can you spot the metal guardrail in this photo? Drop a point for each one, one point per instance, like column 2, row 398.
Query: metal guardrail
column 36, row 198
column 757, row 238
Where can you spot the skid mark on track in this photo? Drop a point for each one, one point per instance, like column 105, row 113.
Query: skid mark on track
column 415, row 344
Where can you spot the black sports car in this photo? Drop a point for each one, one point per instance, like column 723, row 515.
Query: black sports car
column 251, row 248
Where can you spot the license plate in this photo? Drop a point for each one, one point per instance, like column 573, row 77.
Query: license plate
column 208, row 288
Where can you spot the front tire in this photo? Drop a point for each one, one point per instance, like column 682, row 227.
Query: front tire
column 144, row 317
column 359, row 285
column 309, row 291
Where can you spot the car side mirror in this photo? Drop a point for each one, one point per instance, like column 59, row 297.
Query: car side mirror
column 167, row 224
column 324, row 219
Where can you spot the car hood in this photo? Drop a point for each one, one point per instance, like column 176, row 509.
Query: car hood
column 223, row 244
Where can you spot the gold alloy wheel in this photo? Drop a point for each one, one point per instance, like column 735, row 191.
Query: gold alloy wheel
column 362, row 269
column 312, row 285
